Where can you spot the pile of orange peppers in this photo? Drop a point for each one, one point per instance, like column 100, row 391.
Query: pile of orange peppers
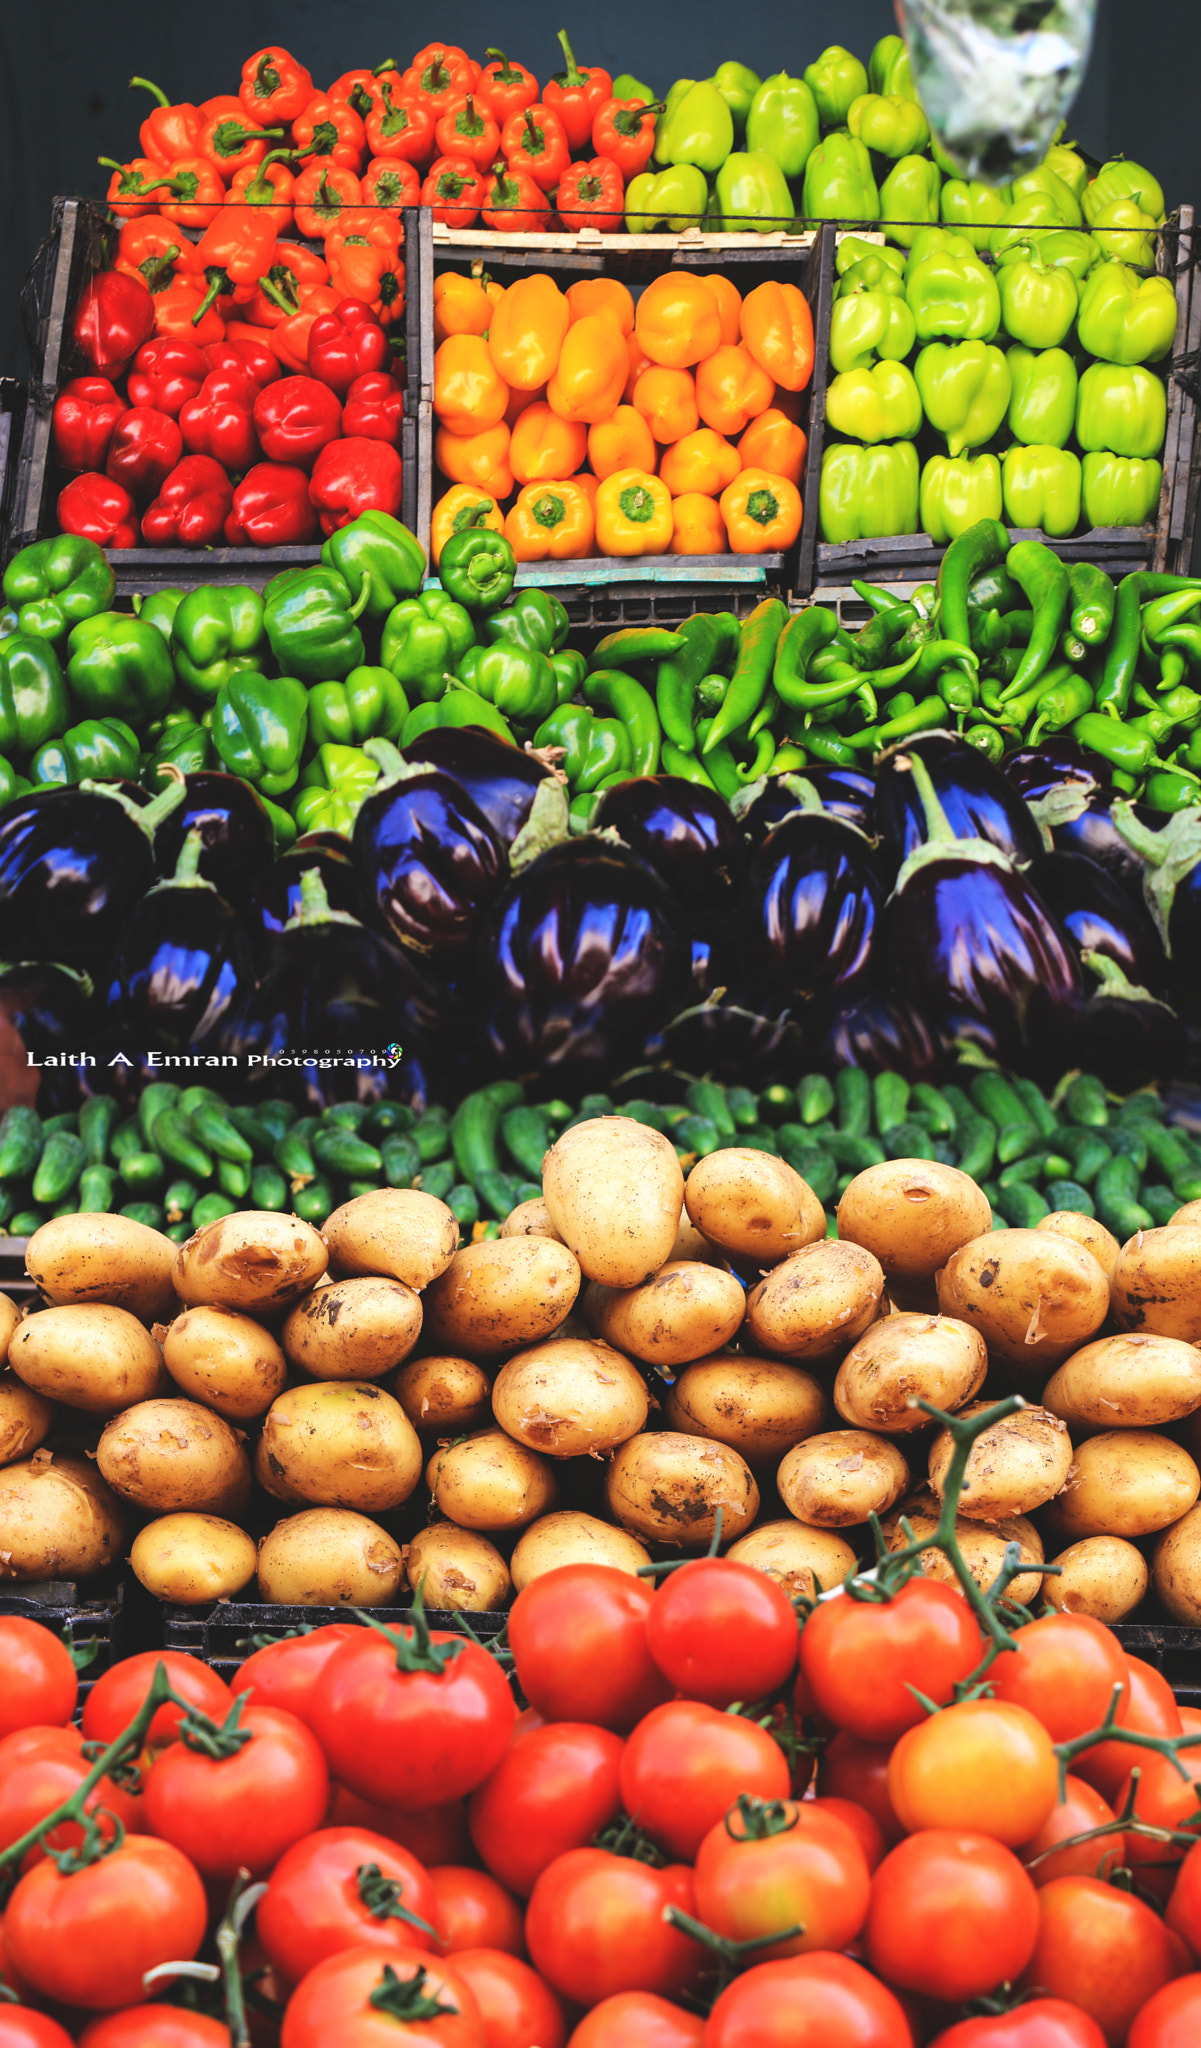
column 588, row 421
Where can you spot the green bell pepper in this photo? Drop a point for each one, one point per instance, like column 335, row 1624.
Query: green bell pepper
column 783, row 120
column 332, row 787
column 98, row 750
column 888, row 68
column 1058, row 249
column 370, row 704
column 423, row 641
column 1122, row 409
column 58, row 583
column 736, row 83
column 956, row 492
column 753, row 194
column 1067, row 163
column 951, row 294
column 376, row 544
column 593, row 748
column 879, row 404
column 259, row 728
column 1125, row 234
column 627, row 87
column 312, row 623
column 570, row 668
column 1038, row 304
column 477, row 567
column 868, row 492
column 534, row 619
column 1040, row 199
column 974, row 209
column 698, row 129
column 460, row 706
column 674, row 199
column 1040, row 487
column 1120, row 180
column 1125, row 318
column 891, row 124
column 867, row 324
column 33, row 696
column 864, row 265
column 518, row 680
column 218, row 630
column 184, row 743
column 159, row 610
column 836, row 79
column 1120, row 490
column 838, row 182
column 119, row 667
column 1042, row 411
column 965, row 388
column 11, row 784
column 909, row 197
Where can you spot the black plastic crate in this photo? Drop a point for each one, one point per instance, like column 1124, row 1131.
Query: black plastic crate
column 1173, row 1651
column 223, row 1634
column 98, row 1626
column 12, row 420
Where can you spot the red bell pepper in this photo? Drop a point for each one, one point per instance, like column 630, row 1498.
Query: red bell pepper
column 231, row 142
column 345, row 344
column 197, row 192
column 271, row 509
column 361, row 89
column 440, row 73
column 292, row 271
column 268, row 185
column 400, row 126
column 251, row 357
column 328, row 134
column 577, row 96
column 535, row 142
column 391, row 183
column 100, row 510
column 144, row 449
column 592, row 195
column 624, row 131
column 455, row 191
column 468, row 130
column 505, row 89
column 513, row 202
column 224, row 104
column 219, row 421
column 290, row 339
column 192, row 506
column 171, row 129
column 177, row 311
column 275, row 87
column 113, row 317
column 153, row 250
column 322, row 194
column 242, row 243
column 166, row 373
column 353, row 476
column 371, row 271
column 85, row 413
column 135, row 188
column 374, row 408
column 295, row 418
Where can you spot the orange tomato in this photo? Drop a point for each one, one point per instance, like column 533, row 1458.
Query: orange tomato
column 777, row 328
column 624, row 441
column 702, row 461
column 591, row 371
column 527, row 331
column 985, row 1765
column 731, row 389
column 667, row 401
column 677, row 320
column 773, row 442
column 607, row 297
column 479, row 459
column 469, row 393
column 544, row 445
column 697, row 525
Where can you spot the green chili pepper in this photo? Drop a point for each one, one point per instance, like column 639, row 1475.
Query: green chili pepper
column 1044, row 578
column 609, row 689
column 1061, row 705
column 719, row 761
column 982, row 546
column 927, row 716
column 1122, row 652
column 678, row 675
column 1093, row 601
column 760, row 638
column 675, row 761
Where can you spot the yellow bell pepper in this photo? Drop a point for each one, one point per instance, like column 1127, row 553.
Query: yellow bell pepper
column 551, row 521
column 606, row 297
column 527, row 331
column 762, row 512
column 545, row 446
column 623, row 441
column 591, row 372
column 633, row 514
column 699, row 528
column 667, row 401
column 478, row 459
column 702, row 462
column 457, row 509
column 461, row 306
column 469, row 393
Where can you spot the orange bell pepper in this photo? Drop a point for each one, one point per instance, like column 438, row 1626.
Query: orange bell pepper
column 292, row 271
column 774, row 443
column 551, row 522
column 591, row 371
column 481, row 460
column 375, row 277
column 622, row 442
column 241, row 241
column 762, row 512
column 729, row 305
column 633, row 514
column 461, row 306
column 245, row 330
column 731, row 389
column 520, row 401
column 677, row 320
column 777, row 328
column 527, row 330
column 667, row 401
column 371, row 225
column 698, row 527
column 700, row 464
column 469, row 394
column 197, row 192
column 154, row 250
column 269, row 185
column 175, row 311
column 321, row 195
column 607, row 297
column 462, row 506
column 637, row 361
column 546, row 446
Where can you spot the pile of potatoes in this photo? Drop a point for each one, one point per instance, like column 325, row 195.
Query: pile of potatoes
column 348, row 1414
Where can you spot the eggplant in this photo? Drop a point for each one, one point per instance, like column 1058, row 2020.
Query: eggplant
column 183, row 959
column 881, row 1036
column 734, row 1034
column 427, row 862
column 810, row 908
column 846, row 793
column 686, row 833
column 237, row 841
column 46, row 1012
column 1126, row 1035
column 1099, row 916
column 1035, row 770
column 1081, row 820
column 276, row 895
column 500, row 779
column 73, row 864
column 978, row 801
column 1170, row 864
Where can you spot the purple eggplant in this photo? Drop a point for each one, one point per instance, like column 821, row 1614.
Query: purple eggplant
column 428, row 864
column 1099, row 916
column 1035, row 770
column 881, row 1036
column 1126, row 1035
column 47, row 1012
column 237, row 843
column 277, row 892
column 978, row 801
column 73, row 864
column 500, row 779
column 734, row 1034
column 684, row 832
column 846, row 793
column 810, row 907
column 1170, row 864
column 183, row 959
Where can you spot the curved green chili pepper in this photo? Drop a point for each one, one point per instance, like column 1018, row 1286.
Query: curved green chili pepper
column 801, row 639
column 1121, row 745
column 1044, row 578
column 1061, row 705
column 827, row 747
column 939, row 654
column 1125, row 641
column 881, row 633
column 678, row 675
column 765, row 750
column 1093, row 600
column 720, row 762
column 610, row 689
column 1171, row 789
column 957, row 690
column 983, row 546
column 1165, row 612
column 928, row 716
column 1014, row 711
column 787, row 759
column 676, row 762
column 756, row 655
column 990, row 632
column 986, row 740
column 879, row 599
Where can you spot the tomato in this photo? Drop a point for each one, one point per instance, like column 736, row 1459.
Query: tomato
column 437, row 1834
column 1082, row 1808
column 333, row 2004
column 32, row 1788
column 116, row 1696
column 410, row 1737
column 721, row 1632
column 1190, row 1719
column 952, row 1915
column 578, row 1636
column 552, row 1791
column 284, row 1674
column 473, row 1911
column 1043, row 2023
column 1064, row 1671
column 21, row 2028
column 37, row 1678
column 241, row 1811
column 853, row 1769
column 685, row 1765
column 154, row 2026
column 1170, row 2019
column 984, row 1766
column 1101, row 1949
column 1149, row 1708
column 39, row 1739
column 860, row 1656
column 817, row 2001
column 87, row 1939
column 517, row 2008
column 811, row 1872
column 863, row 1825
column 314, row 1905
column 1184, row 1912
column 1166, row 1800
column 595, row 1925
column 10, row 1976
column 638, row 2019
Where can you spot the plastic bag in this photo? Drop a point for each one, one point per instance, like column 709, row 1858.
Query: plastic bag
column 996, row 77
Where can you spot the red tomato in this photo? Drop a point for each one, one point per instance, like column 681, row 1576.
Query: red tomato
column 32, row 1787
column 21, row 2028
column 1190, row 1719
column 39, row 1739
column 517, row 2008
column 284, row 1674
column 115, row 1698
column 87, row 1939
column 412, row 1737
column 552, row 1791
column 984, row 1766
column 721, row 1632
column 853, row 1769
column 318, row 1900
column 154, row 2026
column 1064, row 1671
column 1166, row 1800
column 637, row 2019
column 1101, row 1949
column 1081, row 1809
column 1149, row 1708
column 1170, row 2019
column 860, row 1657
column 863, row 1825
column 473, row 1911
column 807, row 2002
column 952, row 1915
column 1043, row 2023
column 242, row 1811
column 37, row 1677
column 437, row 1834
column 578, row 1636
column 9, row 1973
column 1184, row 1913
column 595, row 1926
column 333, row 2004
column 684, row 1767
column 811, row 1872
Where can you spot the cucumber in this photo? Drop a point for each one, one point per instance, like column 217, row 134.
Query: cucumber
column 64, row 1156
column 20, row 1143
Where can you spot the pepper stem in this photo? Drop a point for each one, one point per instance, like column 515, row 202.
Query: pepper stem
column 574, row 75
column 156, row 91
column 389, row 64
column 390, row 759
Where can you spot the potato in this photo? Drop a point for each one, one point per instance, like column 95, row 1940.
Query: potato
column 570, row 1400
column 444, row 1394
column 489, row 1482
column 569, row 1537
column 614, row 1191
column 760, row 1407
column 804, row 1561
column 836, row 1480
column 1103, row 1576
column 339, row 1444
column 752, row 1204
column 397, row 1231
column 175, row 1455
column 10, row 1318
column 1176, row 1567
column 58, row 1519
column 496, row 1296
column 252, row 1260
column 903, row 1359
column 228, row 1361
column 327, row 1557
column 1033, row 1296
column 1157, row 1282
column 1014, row 1466
column 103, row 1258
column 459, row 1570
column 353, row 1329
column 690, row 1244
column 192, row 1559
column 686, row 1311
column 25, row 1419
column 669, row 1487
column 1188, row 1212
column 1087, row 1231
column 912, row 1214
column 1128, row 1382
column 982, row 1544
column 91, row 1356
column 529, row 1219
column 1128, row 1482
column 816, row 1302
